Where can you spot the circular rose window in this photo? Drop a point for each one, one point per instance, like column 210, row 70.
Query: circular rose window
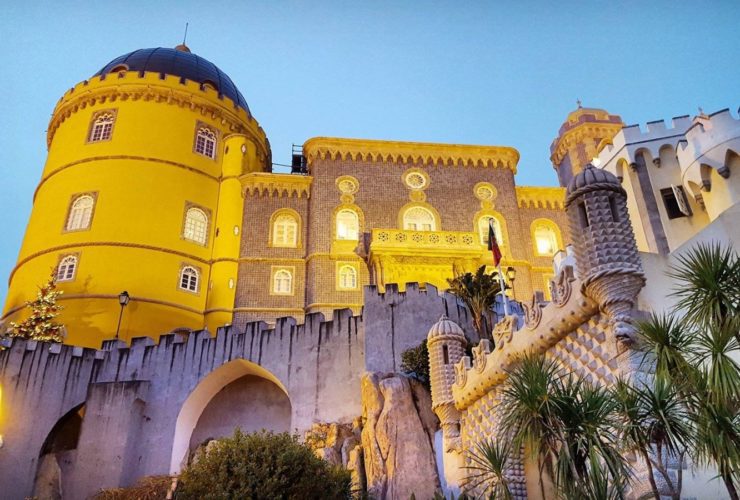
column 415, row 180
column 347, row 185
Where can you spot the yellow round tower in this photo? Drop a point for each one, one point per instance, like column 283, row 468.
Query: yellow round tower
column 140, row 193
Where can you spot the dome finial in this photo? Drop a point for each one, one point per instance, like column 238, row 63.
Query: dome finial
column 182, row 47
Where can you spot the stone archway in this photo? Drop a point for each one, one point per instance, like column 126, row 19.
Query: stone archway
column 218, row 404
column 57, row 453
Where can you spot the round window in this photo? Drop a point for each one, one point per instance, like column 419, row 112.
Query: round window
column 415, row 180
column 347, row 185
column 484, row 193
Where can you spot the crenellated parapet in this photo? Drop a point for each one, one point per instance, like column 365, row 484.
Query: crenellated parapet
column 709, row 143
column 410, row 153
column 277, row 185
column 552, row 322
column 540, row 197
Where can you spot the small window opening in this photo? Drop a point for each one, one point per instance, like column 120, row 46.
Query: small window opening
column 613, row 208
column 446, row 354
column 583, row 214
column 672, row 203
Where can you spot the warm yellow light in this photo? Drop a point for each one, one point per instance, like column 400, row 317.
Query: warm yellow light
column 544, row 245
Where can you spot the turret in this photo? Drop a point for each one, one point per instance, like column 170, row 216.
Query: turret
column 446, row 343
column 583, row 134
column 606, row 253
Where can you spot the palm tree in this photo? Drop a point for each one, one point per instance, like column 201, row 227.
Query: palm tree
column 656, row 424
column 478, row 291
column 490, row 460
column 696, row 353
column 567, row 424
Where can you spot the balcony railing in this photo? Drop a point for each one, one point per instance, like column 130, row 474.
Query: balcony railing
column 389, row 239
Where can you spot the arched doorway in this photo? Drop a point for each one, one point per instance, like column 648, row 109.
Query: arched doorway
column 58, row 453
column 237, row 394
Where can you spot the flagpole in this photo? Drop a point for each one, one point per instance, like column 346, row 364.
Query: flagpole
column 507, row 312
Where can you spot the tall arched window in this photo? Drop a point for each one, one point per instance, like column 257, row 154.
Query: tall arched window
column 196, row 226
column 205, row 142
column 80, row 213
column 282, row 282
column 101, row 128
column 348, row 225
column 419, row 219
column 347, row 277
column 285, row 231
column 546, row 237
column 66, row 268
column 483, row 224
column 189, row 278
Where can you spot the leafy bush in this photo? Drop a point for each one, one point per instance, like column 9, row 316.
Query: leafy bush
column 415, row 361
column 262, row 465
column 147, row 488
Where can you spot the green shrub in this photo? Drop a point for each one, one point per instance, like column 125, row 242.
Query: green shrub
column 265, row 466
column 415, row 362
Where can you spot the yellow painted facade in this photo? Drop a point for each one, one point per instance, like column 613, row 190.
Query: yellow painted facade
column 161, row 186
column 143, row 179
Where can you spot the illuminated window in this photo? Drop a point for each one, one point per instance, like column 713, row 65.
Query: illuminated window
column 102, row 127
column 67, row 268
column 205, row 142
column 347, row 277
column 196, row 226
column 80, row 213
column 189, row 278
column 348, row 225
column 419, row 219
column 546, row 240
column 483, row 223
column 282, row 282
column 285, row 231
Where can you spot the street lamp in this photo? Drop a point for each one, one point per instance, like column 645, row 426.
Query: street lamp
column 123, row 299
column 511, row 276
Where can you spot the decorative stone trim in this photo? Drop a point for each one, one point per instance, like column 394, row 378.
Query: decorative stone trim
column 540, row 197
column 409, row 153
column 278, row 185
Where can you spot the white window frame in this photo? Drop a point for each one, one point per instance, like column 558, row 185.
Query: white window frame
column 282, row 281
column 189, row 279
column 412, row 221
column 345, row 228
column 205, row 142
column 67, row 268
column 285, row 231
column 345, row 272
column 195, row 230
column 101, row 128
column 80, row 212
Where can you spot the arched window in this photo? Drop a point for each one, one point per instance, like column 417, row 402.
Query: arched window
column 546, row 239
column 347, row 277
column 189, row 278
column 483, row 224
column 205, row 142
column 285, row 231
column 66, row 268
column 102, row 127
column 80, row 213
column 196, row 226
column 348, row 225
column 282, row 282
column 419, row 219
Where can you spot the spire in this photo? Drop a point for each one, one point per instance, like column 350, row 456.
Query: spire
column 182, row 47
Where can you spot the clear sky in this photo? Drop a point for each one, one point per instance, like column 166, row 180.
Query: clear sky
column 501, row 73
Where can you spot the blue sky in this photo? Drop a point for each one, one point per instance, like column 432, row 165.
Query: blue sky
column 503, row 73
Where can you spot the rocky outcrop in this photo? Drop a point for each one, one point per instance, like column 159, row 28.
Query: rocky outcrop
column 397, row 437
column 339, row 444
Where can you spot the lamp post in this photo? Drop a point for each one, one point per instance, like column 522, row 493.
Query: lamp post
column 511, row 276
column 123, row 299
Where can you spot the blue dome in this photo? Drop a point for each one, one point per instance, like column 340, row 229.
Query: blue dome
column 178, row 62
